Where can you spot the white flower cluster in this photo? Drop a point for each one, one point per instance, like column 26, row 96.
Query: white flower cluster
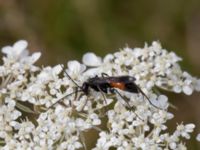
column 44, row 108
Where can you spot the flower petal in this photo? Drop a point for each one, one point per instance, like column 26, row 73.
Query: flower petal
column 198, row 137
column 75, row 67
column 19, row 47
column 187, row 90
column 90, row 59
column 7, row 50
column 35, row 57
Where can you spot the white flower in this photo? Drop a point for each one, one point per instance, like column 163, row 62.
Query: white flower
column 49, row 74
column 198, row 137
column 60, row 112
column 29, row 60
column 185, row 130
column 197, row 84
column 75, row 69
column 24, row 130
column 90, row 59
column 95, row 118
column 16, row 50
column 161, row 102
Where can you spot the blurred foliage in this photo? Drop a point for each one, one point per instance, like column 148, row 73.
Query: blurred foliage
column 65, row 29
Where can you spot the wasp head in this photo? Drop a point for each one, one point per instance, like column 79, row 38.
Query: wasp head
column 85, row 87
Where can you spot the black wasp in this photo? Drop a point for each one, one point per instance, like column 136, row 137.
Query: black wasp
column 106, row 83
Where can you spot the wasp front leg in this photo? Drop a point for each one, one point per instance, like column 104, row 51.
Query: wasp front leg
column 104, row 75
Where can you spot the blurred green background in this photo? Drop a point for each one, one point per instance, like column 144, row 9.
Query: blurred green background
column 65, row 29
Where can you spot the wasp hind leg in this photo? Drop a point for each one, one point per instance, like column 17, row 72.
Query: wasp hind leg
column 129, row 106
column 115, row 91
column 144, row 95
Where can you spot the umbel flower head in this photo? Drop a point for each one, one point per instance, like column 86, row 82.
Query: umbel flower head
column 40, row 108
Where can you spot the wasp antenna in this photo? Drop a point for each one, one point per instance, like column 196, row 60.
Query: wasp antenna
column 147, row 97
column 70, row 77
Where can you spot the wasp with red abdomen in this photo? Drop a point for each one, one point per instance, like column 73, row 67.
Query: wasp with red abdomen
column 106, row 84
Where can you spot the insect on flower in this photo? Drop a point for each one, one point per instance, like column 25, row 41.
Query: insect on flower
column 106, row 84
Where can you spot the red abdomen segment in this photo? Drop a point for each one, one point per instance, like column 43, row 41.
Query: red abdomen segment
column 118, row 85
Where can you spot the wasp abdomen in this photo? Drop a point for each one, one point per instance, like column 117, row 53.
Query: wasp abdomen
column 118, row 85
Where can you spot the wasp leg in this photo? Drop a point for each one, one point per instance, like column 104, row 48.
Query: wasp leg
column 140, row 90
column 104, row 75
column 104, row 97
column 114, row 90
column 76, row 93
